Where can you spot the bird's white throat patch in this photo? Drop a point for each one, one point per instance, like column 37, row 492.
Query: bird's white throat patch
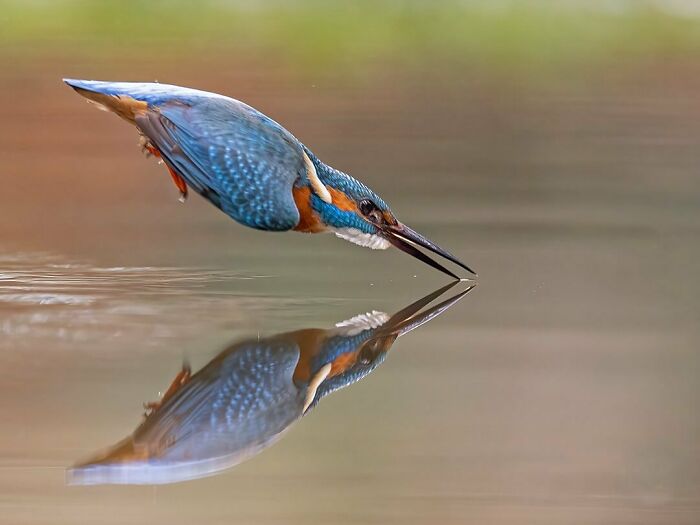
column 368, row 240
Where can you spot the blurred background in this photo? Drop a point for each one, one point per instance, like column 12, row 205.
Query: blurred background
column 553, row 146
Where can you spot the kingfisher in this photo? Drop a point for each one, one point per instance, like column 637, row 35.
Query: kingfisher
column 245, row 399
column 252, row 168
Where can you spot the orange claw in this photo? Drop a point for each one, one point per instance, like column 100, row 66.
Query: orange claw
column 150, row 148
column 180, row 183
column 177, row 179
column 182, row 377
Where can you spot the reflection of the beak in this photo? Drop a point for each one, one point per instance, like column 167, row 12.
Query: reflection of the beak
column 417, row 321
column 245, row 398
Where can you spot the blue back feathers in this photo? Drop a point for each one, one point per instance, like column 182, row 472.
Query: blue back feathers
column 242, row 161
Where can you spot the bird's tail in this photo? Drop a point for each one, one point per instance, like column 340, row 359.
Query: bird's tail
column 110, row 96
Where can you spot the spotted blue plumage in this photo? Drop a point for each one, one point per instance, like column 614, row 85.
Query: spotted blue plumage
column 255, row 389
column 246, row 395
column 245, row 398
column 239, row 159
column 234, row 156
column 253, row 169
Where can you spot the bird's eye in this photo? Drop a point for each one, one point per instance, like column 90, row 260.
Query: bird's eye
column 366, row 206
column 371, row 211
column 367, row 355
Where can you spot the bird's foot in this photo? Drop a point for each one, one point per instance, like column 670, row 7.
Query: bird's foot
column 150, row 151
column 182, row 377
column 180, row 184
column 147, row 148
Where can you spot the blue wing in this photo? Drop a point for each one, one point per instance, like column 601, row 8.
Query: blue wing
column 242, row 161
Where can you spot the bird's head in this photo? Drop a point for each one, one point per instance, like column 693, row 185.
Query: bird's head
column 348, row 208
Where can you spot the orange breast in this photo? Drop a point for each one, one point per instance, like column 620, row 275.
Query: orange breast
column 309, row 221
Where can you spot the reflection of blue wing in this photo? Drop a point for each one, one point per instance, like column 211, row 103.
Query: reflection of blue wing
column 239, row 404
column 242, row 161
column 256, row 388
column 246, row 395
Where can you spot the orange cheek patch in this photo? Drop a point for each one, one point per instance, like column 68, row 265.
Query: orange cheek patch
column 342, row 363
column 309, row 220
column 341, row 201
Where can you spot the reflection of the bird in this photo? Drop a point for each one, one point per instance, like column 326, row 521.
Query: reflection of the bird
column 246, row 397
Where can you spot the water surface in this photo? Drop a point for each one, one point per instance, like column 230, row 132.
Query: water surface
column 562, row 390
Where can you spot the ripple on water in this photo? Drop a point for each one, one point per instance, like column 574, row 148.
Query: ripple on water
column 45, row 297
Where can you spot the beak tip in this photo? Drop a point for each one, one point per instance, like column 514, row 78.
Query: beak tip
column 468, row 269
column 407, row 239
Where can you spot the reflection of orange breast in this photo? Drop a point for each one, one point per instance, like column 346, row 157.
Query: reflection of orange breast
column 309, row 221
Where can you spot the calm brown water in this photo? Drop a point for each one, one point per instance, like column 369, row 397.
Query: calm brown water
column 563, row 389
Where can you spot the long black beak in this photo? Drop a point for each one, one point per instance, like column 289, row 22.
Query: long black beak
column 406, row 239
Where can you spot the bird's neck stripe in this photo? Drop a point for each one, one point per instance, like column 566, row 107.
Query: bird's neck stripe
column 316, row 184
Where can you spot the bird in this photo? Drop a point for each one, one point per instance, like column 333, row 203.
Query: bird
column 252, row 168
column 246, row 397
